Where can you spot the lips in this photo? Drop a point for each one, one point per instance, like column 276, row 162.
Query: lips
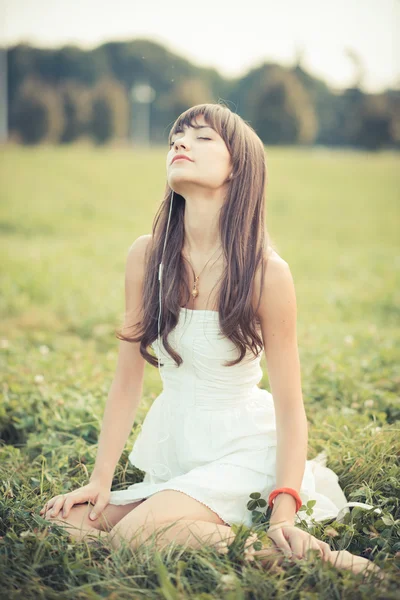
column 178, row 156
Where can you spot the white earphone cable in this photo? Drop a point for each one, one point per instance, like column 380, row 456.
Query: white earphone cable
column 160, row 278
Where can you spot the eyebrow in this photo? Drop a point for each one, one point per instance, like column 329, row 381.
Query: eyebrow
column 194, row 127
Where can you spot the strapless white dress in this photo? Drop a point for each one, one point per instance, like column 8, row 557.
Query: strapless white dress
column 211, row 433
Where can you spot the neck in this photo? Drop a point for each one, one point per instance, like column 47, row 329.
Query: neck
column 201, row 223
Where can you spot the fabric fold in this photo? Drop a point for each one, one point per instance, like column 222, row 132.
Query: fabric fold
column 211, row 433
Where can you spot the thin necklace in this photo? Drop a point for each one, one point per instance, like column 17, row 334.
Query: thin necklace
column 195, row 290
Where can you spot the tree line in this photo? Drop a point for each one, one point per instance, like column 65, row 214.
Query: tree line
column 69, row 94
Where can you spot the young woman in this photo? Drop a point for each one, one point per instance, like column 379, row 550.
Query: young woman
column 221, row 297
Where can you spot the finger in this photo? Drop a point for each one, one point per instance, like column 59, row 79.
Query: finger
column 70, row 501
column 281, row 543
column 58, row 504
column 297, row 547
column 311, row 544
column 68, row 504
column 326, row 550
column 97, row 509
column 49, row 505
column 317, row 547
column 296, row 543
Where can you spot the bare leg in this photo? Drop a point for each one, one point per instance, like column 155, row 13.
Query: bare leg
column 79, row 532
column 192, row 533
column 80, row 527
column 341, row 559
column 196, row 534
column 90, row 536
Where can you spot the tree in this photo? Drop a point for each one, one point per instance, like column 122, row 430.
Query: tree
column 37, row 115
column 394, row 110
column 281, row 110
column 375, row 121
column 110, row 111
column 77, row 105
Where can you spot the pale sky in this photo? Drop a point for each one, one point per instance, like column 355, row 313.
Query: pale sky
column 230, row 36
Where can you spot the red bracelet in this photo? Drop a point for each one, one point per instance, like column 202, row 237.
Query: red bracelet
column 290, row 491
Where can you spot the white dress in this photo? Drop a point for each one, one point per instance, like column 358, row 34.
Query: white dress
column 211, row 432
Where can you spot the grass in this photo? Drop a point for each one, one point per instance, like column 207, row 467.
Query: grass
column 67, row 219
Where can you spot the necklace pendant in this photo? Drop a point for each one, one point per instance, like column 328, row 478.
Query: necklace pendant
column 195, row 291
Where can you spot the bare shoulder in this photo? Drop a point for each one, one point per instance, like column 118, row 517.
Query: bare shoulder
column 130, row 365
column 140, row 245
column 277, row 270
column 135, row 263
column 277, row 287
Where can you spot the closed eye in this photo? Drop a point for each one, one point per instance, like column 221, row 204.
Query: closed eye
column 199, row 138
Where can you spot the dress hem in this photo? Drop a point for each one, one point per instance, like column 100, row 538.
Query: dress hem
column 176, row 489
column 201, row 502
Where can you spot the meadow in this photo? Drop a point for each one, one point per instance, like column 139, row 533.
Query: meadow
column 67, row 219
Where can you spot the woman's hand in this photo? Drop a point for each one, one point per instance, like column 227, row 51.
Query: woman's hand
column 295, row 542
column 95, row 492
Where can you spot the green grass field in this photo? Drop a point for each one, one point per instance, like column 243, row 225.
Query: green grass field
column 68, row 217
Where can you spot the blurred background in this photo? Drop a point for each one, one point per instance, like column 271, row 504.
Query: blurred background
column 309, row 73
column 88, row 93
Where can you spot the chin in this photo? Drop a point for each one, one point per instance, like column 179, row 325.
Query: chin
column 180, row 185
column 175, row 187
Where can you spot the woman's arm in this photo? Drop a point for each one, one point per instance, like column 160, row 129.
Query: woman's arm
column 278, row 315
column 126, row 388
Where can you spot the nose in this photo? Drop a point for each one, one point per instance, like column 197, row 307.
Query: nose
column 179, row 143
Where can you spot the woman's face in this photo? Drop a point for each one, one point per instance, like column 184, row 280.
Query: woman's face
column 209, row 163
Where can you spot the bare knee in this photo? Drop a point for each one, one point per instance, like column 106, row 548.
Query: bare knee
column 78, row 516
column 77, row 521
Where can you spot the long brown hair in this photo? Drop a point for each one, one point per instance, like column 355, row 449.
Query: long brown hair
column 243, row 235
